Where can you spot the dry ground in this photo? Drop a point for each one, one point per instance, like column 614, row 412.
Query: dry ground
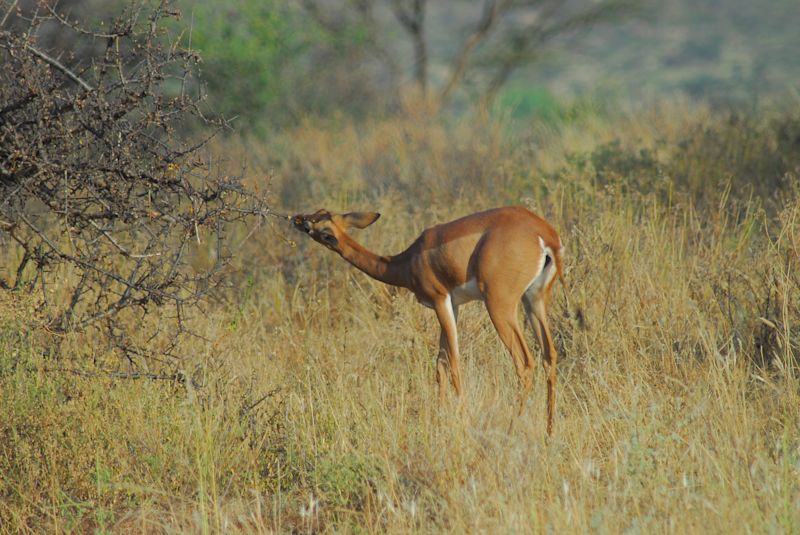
column 313, row 407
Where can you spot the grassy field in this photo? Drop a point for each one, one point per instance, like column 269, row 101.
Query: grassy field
column 313, row 406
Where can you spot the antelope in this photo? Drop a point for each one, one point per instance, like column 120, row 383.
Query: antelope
column 500, row 256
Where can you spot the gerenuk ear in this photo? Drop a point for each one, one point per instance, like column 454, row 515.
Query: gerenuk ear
column 360, row 219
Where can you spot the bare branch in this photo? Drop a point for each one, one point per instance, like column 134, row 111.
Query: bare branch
column 313, row 9
column 177, row 377
column 58, row 65
column 98, row 192
column 521, row 46
column 8, row 12
column 412, row 19
column 492, row 9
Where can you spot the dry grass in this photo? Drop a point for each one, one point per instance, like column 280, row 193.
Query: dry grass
column 314, row 406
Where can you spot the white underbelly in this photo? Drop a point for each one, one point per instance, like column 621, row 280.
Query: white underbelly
column 459, row 295
column 465, row 293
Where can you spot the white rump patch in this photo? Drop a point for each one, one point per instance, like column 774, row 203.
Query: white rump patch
column 545, row 273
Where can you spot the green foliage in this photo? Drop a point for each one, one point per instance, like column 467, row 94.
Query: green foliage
column 345, row 479
column 531, row 102
column 266, row 63
column 245, row 47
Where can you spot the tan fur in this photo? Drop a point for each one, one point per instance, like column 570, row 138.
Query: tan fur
column 500, row 250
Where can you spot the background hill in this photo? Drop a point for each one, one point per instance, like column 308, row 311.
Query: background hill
column 728, row 51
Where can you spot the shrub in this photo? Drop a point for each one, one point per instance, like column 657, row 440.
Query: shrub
column 98, row 192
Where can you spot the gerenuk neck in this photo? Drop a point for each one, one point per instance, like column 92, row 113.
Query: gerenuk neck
column 387, row 269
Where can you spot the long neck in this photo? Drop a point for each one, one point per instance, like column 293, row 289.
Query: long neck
column 389, row 269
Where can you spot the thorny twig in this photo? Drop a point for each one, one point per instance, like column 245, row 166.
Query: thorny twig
column 97, row 188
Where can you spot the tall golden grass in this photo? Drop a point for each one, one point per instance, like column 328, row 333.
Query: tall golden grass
column 312, row 404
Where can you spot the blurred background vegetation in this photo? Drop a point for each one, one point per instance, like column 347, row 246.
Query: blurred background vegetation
column 272, row 62
column 289, row 59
